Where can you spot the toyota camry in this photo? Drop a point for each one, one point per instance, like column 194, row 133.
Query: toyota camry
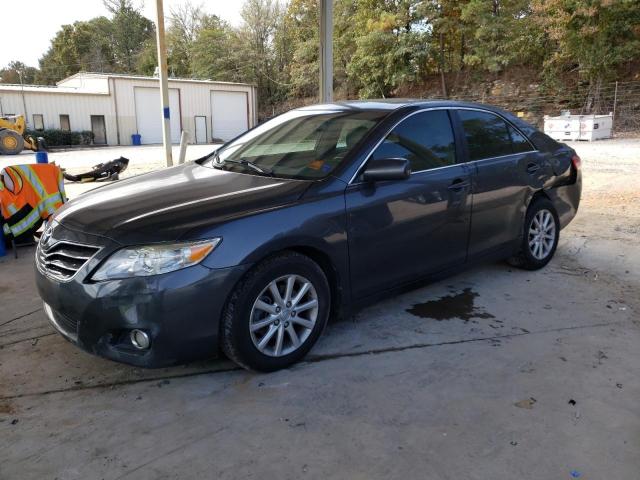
column 309, row 216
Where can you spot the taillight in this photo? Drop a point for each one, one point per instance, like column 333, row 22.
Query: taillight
column 577, row 162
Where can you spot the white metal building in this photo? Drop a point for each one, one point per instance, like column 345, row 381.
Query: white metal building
column 116, row 106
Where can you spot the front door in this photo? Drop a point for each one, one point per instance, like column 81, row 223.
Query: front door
column 99, row 130
column 201, row 129
column 402, row 230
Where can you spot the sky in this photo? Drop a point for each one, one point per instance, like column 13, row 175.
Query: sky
column 29, row 25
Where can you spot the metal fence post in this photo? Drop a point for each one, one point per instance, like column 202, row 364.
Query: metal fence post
column 613, row 115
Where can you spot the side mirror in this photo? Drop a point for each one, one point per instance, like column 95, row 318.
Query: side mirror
column 387, row 169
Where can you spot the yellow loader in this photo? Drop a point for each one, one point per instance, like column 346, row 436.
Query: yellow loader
column 12, row 137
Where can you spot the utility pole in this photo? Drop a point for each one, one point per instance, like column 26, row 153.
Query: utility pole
column 326, row 51
column 164, row 83
column 24, row 101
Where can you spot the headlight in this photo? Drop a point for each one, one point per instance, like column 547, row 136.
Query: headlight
column 154, row 259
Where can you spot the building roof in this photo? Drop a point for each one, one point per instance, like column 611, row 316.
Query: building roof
column 8, row 87
column 143, row 77
column 70, row 84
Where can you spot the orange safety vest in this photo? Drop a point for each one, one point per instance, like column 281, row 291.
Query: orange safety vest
column 28, row 195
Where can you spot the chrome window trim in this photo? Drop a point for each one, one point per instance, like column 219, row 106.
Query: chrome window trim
column 363, row 163
column 500, row 156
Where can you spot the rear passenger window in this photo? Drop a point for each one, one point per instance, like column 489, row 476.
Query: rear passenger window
column 425, row 139
column 487, row 134
column 520, row 144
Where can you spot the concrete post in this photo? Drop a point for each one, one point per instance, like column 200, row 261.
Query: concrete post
column 326, row 51
column 164, row 84
column 184, row 140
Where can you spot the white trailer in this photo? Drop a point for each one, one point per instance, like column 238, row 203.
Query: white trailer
column 578, row 127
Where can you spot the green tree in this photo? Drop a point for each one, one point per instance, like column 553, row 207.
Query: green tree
column 129, row 32
column 147, row 58
column 18, row 73
column 261, row 20
column 81, row 46
column 185, row 22
column 297, row 40
column 391, row 47
column 216, row 52
column 594, row 37
column 504, row 34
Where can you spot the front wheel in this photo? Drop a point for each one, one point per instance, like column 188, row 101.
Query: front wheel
column 540, row 238
column 11, row 143
column 276, row 314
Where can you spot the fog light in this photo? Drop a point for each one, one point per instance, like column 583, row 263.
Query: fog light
column 140, row 339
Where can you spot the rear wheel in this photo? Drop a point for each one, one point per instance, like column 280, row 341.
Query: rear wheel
column 11, row 143
column 276, row 314
column 540, row 236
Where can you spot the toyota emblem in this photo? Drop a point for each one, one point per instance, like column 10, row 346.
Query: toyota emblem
column 46, row 235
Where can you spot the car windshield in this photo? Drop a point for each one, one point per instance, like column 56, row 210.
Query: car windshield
column 305, row 144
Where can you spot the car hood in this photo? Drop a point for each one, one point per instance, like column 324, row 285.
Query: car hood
column 165, row 205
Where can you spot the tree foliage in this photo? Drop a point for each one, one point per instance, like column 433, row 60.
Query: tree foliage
column 82, row 46
column 99, row 45
column 129, row 31
column 593, row 37
column 18, row 73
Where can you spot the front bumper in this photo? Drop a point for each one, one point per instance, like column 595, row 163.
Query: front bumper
column 180, row 311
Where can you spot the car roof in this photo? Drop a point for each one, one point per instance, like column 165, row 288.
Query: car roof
column 539, row 139
column 391, row 104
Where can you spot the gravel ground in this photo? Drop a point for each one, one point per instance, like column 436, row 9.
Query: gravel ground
column 610, row 206
column 612, row 180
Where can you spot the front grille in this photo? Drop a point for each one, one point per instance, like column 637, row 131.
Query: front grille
column 63, row 259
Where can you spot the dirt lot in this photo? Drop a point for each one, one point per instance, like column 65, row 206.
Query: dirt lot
column 522, row 375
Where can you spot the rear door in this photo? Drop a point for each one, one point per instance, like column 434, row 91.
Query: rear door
column 402, row 230
column 506, row 170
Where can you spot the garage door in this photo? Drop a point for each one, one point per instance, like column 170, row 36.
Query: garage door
column 149, row 114
column 228, row 114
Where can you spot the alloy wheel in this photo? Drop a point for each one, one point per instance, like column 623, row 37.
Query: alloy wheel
column 542, row 234
column 284, row 315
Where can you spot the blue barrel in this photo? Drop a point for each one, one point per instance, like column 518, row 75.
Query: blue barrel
column 136, row 139
column 3, row 250
column 42, row 157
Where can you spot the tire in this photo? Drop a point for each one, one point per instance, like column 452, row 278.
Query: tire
column 11, row 143
column 537, row 249
column 255, row 322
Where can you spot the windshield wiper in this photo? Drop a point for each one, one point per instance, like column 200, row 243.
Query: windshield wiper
column 247, row 163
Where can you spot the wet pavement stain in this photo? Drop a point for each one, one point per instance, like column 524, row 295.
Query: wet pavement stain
column 460, row 305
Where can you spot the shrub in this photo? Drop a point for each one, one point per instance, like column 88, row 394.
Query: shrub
column 59, row 138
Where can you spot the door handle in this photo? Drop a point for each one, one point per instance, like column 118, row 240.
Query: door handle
column 458, row 185
column 532, row 168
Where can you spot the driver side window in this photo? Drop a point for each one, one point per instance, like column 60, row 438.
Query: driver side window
column 425, row 139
